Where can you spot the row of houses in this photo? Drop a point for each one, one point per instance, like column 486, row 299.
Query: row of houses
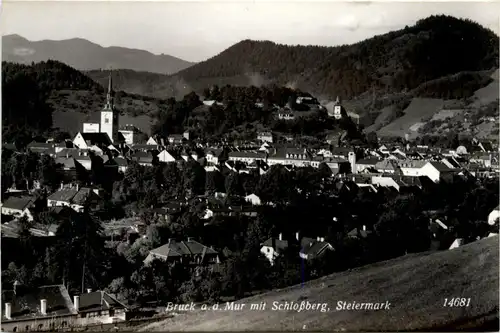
column 50, row 308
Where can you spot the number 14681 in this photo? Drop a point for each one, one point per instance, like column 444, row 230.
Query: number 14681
column 456, row 302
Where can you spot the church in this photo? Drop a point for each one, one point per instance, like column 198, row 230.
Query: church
column 109, row 118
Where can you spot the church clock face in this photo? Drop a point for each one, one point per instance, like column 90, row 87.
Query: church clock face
column 337, row 110
column 107, row 119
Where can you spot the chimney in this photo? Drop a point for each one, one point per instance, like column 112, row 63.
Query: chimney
column 297, row 236
column 280, row 236
column 62, row 185
column 364, row 227
column 318, row 239
column 77, row 187
column 89, row 290
column 76, row 302
column 322, row 239
column 190, row 239
column 171, row 240
column 8, row 311
column 43, row 306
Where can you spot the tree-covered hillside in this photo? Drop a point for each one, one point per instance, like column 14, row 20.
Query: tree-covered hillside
column 25, row 91
column 434, row 47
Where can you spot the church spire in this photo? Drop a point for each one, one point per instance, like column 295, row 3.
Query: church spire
column 109, row 96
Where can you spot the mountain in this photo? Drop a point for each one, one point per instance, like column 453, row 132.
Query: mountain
column 85, row 55
column 415, row 286
column 434, row 47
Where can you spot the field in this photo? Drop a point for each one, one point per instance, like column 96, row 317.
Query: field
column 488, row 94
column 418, row 110
column 415, row 285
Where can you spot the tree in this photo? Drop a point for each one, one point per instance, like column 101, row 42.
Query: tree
column 214, row 182
column 80, row 251
column 234, row 189
column 194, row 178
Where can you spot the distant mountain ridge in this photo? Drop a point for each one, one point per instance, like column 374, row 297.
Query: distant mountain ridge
column 434, row 47
column 85, row 55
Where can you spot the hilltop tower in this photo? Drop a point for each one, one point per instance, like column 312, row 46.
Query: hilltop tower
column 337, row 110
column 109, row 118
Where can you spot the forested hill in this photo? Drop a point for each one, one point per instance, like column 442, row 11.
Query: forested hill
column 434, row 47
column 26, row 89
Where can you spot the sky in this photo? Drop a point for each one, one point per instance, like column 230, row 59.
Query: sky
column 195, row 31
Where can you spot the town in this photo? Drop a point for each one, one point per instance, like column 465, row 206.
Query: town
column 112, row 225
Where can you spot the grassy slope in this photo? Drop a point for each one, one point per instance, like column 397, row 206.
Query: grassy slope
column 419, row 109
column 414, row 284
column 489, row 93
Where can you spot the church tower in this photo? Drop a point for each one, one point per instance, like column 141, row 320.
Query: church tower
column 109, row 118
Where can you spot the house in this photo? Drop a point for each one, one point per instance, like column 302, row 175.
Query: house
column 73, row 197
column 84, row 160
column 18, row 207
column 144, row 147
column 451, row 162
column 436, row 170
column 190, row 252
column 265, row 137
column 480, row 158
column 312, row 248
column 10, row 146
column 412, row 168
column 457, row 243
column 37, row 309
column 485, row 146
column 336, row 139
column 176, row 138
column 129, row 133
column 37, row 229
column 290, row 156
column 86, row 140
column 494, row 216
column 285, row 114
column 119, row 162
column 143, row 158
column 247, row 156
column 153, row 141
column 98, row 307
column 366, row 163
column 42, row 148
column 359, row 233
column 253, row 199
column 215, row 156
column 166, row 156
column 387, row 166
column 273, row 247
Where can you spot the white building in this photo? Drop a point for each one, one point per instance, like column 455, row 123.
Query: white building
column 273, row 247
column 253, row 199
column 129, row 133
